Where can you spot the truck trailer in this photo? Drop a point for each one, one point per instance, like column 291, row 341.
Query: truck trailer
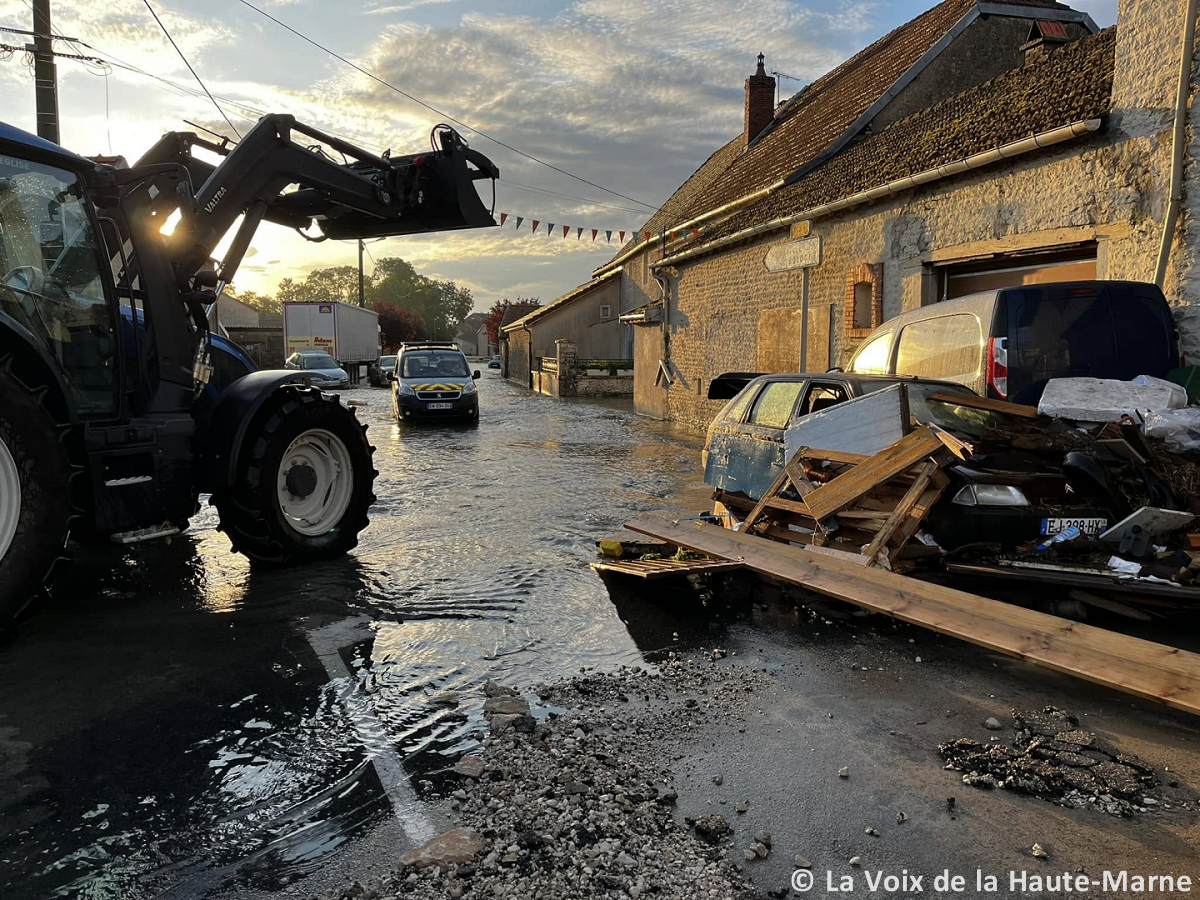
column 350, row 334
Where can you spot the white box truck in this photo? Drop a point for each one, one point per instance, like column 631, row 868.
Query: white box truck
column 348, row 333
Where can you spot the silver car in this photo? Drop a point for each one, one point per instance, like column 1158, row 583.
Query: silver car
column 320, row 369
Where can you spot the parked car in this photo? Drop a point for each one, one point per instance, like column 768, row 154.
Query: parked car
column 378, row 371
column 494, row 362
column 320, row 369
column 433, row 381
column 1006, row 344
column 1006, row 498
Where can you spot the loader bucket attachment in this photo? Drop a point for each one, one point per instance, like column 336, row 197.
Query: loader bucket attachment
column 437, row 191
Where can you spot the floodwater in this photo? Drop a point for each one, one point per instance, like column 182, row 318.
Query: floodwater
column 176, row 724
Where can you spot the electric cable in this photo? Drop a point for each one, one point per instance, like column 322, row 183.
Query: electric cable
column 190, row 69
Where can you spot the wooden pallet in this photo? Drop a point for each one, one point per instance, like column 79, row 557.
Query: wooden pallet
column 1143, row 668
column 665, row 568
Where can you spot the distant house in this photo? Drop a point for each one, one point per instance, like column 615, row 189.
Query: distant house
column 513, row 313
column 467, row 335
column 588, row 315
column 260, row 336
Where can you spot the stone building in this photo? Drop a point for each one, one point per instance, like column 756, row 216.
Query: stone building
column 982, row 144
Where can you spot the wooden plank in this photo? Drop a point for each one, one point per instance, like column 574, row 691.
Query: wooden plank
column 665, row 568
column 902, row 510
column 1139, row 667
column 974, row 402
column 768, row 495
column 845, row 489
column 867, row 424
column 834, row 456
column 920, row 512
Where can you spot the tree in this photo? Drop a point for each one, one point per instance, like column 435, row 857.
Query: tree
column 264, row 303
column 397, row 325
column 336, row 284
column 496, row 315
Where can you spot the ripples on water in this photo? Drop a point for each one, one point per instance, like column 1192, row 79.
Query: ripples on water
column 201, row 724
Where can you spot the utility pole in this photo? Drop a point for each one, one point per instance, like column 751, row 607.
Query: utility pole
column 362, row 299
column 45, row 79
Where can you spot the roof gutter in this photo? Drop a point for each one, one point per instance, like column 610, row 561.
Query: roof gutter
column 978, row 160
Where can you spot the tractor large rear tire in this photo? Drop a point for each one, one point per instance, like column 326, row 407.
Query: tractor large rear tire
column 35, row 496
column 304, row 481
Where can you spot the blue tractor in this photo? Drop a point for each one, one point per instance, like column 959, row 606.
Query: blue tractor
column 118, row 406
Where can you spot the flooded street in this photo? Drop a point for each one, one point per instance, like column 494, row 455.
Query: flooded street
column 176, row 724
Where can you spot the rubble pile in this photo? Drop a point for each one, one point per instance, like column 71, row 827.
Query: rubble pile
column 572, row 805
column 1053, row 758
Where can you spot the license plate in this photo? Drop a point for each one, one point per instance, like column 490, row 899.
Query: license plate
column 1087, row 526
column 439, row 406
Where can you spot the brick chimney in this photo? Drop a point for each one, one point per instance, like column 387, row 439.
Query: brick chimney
column 760, row 103
column 1044, row 38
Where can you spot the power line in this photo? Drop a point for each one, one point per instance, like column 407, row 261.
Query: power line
column 190, row 69
column 439, row 112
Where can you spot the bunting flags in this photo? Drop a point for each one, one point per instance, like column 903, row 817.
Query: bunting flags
column 664, row 236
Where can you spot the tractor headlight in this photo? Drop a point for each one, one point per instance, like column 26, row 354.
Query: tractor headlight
column 407, row 389
column 469, row 387
column 991, row 495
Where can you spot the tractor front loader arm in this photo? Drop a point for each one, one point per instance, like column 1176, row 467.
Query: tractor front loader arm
column 359, row 195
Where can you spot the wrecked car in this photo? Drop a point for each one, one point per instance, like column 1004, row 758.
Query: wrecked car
column 1011, row 492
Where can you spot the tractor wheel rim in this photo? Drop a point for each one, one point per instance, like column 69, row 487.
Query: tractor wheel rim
column 10, row 498
column 321, row 510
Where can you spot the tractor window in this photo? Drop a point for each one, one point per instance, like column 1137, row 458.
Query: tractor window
column 50, row 277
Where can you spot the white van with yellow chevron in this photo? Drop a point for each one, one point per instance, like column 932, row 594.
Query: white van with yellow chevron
column 433, row 381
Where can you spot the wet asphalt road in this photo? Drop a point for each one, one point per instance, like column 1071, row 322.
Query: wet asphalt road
column 177, row 725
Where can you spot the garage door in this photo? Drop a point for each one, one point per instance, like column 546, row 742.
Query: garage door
column 960, row 281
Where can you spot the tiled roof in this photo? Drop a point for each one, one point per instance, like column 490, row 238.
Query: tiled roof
column 1070, row 85
column 808, row 124
column 517, row 311
column 569, row 297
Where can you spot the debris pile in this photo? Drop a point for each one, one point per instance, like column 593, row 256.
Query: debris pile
column 574, row 805
column 1053, row 758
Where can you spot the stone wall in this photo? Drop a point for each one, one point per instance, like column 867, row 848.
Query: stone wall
column 518, row 358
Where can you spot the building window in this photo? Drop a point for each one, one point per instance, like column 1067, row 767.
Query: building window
column 605, row 312
column 863, row 300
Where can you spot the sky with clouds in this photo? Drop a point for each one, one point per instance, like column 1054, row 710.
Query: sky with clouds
column 628, row 94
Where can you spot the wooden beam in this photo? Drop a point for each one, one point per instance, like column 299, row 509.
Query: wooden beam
column 902, row 510
column 826, row 500
column 970, row 400
column 1139, row 667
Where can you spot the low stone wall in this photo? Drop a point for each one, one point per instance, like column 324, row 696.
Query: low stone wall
column 604, row 385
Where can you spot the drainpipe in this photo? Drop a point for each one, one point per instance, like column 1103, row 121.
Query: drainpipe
column 529, row 354
column 1178, row 140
